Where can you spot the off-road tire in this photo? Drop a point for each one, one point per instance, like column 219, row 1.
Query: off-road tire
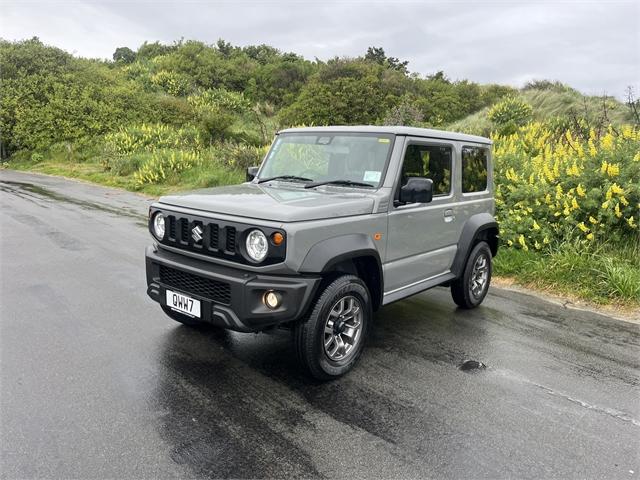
column 309, row 334
column 461, row 288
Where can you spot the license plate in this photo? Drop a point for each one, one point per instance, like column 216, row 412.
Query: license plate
column 183, row 304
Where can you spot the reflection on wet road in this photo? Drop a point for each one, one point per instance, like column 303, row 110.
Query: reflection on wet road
column 97, row 382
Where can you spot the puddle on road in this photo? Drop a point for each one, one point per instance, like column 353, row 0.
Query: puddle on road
column 471, row 365
column 25, row 190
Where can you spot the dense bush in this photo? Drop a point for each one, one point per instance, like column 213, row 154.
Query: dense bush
column 554, row 186
column 509, row 114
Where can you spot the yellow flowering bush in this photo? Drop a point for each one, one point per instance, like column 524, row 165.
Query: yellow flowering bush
column 555, row 184
column 150, row 137
column 163, row 163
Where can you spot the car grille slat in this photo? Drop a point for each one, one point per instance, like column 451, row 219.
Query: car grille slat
column 231, row 239
column 213, row 236
column 219, row 292
column 172, row 227
column 184, row 230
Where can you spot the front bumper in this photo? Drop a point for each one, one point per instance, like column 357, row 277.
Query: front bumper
column 230, row 297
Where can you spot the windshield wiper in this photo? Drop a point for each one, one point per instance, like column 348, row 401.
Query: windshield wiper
column 285, row 177
column 348, row 183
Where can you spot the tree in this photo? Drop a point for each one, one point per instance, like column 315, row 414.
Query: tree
column 124, row 55
column 377, row 55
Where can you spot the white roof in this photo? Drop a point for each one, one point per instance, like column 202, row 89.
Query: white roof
column 394, row 130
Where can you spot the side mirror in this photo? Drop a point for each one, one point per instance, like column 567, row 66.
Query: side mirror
column 251, row 173
column 417, row 190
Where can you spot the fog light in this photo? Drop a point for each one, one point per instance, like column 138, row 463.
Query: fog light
column 271, row 299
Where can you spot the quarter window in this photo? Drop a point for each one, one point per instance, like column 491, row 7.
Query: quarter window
column 474, row 169
column 428, row 161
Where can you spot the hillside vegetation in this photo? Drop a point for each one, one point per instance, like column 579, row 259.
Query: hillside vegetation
column 169, row 117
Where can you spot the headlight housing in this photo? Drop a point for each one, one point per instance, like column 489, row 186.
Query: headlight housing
column 257, row 245
column 158, row 225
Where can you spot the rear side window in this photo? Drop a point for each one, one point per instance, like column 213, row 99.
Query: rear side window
column 474, row 169
column 428, row 161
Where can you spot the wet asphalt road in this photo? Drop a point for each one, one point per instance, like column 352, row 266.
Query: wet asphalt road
column 97, row 382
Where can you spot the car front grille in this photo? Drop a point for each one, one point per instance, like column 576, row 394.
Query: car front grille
column 186, row 282
column 214, row 237
column 180, row 234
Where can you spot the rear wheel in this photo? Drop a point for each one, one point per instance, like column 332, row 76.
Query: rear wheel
column 329, row 342
column 469, row 290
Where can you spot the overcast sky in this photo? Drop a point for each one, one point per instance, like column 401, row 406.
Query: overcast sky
column 591, row 45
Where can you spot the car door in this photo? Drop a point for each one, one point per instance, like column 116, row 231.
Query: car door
column 421, row 238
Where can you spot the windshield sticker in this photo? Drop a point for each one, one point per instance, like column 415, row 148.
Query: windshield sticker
column 372, row 176
column 383, row 140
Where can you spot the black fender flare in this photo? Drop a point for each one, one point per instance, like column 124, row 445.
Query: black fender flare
column 325, row 255
column 471, row 231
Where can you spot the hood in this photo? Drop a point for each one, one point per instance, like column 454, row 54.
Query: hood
column 280, row 204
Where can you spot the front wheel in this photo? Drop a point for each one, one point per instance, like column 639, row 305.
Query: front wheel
column 469, row 290
column 329, row 342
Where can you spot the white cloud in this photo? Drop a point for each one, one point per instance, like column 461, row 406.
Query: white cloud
column 593, row 46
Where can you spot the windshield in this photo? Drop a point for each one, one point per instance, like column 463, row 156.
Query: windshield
column 326, row 157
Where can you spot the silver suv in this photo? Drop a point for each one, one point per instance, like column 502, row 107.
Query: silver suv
column 336, row 223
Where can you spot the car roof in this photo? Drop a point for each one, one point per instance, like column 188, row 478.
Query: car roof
column 394, row 130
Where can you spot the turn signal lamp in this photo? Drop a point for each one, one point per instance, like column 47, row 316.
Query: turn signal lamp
column 277, row 238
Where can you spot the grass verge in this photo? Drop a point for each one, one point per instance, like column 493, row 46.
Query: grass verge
column 604, row 274
column 202, row 176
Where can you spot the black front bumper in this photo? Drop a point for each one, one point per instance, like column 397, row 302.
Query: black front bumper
column 230, row 297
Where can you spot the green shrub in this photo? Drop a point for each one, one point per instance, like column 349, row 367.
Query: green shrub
column 509, row 114
column 171, row 82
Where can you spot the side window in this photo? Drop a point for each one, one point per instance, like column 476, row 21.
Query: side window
column 428, row 161
column 474, row 169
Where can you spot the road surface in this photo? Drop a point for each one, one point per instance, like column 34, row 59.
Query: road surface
column 96, row 382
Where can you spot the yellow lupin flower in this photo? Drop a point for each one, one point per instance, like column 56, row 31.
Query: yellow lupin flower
column 613, row 169
column 617, row 210
column 537, row 245
column 605, row 205
column 580, row 190
column 573, row 170
column 592, row 220
column 523, row 242
column 604, row 166
column 590, row 236
column 546, row 240
column 583, row 227
column 574, row 204
column 615, row 188
column 624, row 201
column 609, row 193
column 607, row 141
column 631, row 222
column 535, row 225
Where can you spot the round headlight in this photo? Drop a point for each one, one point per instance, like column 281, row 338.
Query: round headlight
column 257, row 246
column 158, row 225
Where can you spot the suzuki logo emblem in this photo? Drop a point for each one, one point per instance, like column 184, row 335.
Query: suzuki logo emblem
column 196, row 233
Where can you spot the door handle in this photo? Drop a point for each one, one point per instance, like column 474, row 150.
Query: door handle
column 449, row 216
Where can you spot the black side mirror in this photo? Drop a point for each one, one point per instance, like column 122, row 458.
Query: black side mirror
column 251, row 173
column 417, row 190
